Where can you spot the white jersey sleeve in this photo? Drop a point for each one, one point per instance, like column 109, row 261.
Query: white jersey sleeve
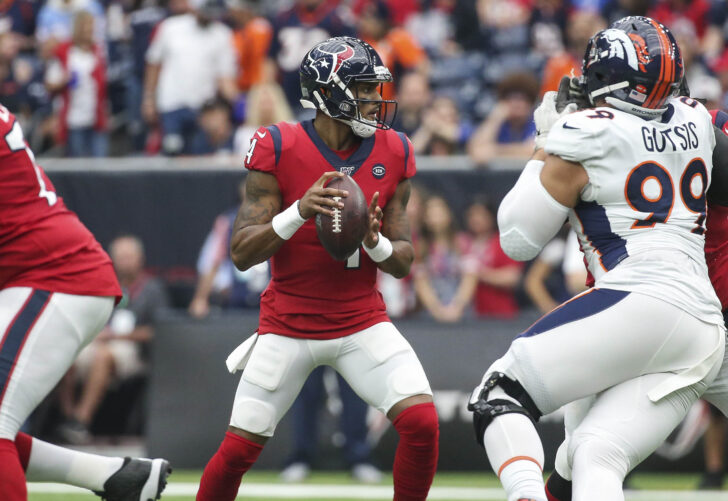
column 641, row 217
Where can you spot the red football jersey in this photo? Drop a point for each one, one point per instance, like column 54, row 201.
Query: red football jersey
column 310, row 294
column 716, row 236
column 43, row 244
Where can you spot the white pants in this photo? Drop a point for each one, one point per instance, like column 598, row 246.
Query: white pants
column 631, row 366
column 378, row 363
column 717, row 392
column 42, row 332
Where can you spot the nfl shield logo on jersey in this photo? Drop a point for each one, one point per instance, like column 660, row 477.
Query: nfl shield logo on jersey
column 379, row 171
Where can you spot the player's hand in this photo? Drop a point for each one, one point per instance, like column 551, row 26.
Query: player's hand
column 546, row 115
column 320, row 200
column 375, row 220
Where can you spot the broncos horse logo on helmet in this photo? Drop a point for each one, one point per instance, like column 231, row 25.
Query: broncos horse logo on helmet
column 328, row 74
column 634, row 65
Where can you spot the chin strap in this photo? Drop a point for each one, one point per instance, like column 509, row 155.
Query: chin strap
column 633, row 109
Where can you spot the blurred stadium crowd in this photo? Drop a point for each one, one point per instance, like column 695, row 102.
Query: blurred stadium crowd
column 143, row 77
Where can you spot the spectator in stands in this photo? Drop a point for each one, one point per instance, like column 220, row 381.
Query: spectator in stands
column 442, row 131
column 673, row 13
column 190, row 60
column 509, row 129
column 580, row 28
column 265, row 104
column 252, row 38
column 720, row 68
column 220, row 283
column 547, row 25
column 217, row 128
column 617, row 9
column 19, row 16
column 119, row 352
column 295, row 31
column 55, row 23
column 557, row 274
column 498, row 275
column 20, row 79
column 432, row 26
column 77, row 75
column 444, row 277
column 713, row 41
column 143, row 19
column 399, row 294
column 399, row 50
column 414, row 98
column 326, row 386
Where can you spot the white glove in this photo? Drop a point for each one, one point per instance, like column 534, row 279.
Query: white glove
column 545, row 116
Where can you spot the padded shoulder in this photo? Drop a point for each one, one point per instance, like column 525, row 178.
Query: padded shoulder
column 577, row 137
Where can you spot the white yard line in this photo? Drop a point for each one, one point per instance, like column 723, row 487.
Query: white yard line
column 257, row 490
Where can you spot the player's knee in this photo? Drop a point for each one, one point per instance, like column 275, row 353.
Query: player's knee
column 254, row 416
column 418, row 423
column 498, row 395
column 593, row 450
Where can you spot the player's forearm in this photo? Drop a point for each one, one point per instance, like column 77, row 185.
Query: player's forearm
column 252, row 245
column 399, row 263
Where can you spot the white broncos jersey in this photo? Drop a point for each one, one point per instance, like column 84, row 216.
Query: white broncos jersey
column 641, row 217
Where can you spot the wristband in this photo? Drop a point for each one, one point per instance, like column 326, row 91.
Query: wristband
column 286, row 223
column 381, row 251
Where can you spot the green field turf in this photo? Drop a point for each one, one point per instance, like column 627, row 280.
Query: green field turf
column 642, row 483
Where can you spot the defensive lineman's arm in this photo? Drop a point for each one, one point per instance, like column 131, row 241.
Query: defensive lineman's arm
column 254, row 239
column 536, row 207
column 396, row 228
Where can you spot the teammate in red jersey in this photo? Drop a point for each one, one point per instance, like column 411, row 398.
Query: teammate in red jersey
column 317, row 311
column 57, row 290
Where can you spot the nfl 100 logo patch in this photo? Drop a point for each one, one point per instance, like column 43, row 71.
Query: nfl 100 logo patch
column 348, row 170
column 379, row 171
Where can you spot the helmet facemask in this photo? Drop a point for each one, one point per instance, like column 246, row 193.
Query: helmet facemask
column 343, row 103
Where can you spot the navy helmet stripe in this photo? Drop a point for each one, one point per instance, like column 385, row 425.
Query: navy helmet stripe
column 611, row 247
column 403, row 138
column 17, row 333
column 275, row 134
column 587, row 304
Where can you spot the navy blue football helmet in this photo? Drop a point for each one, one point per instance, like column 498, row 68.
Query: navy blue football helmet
column 635, row 65
column 328, row 74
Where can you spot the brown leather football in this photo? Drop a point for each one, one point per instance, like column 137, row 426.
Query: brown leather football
column 342, row 234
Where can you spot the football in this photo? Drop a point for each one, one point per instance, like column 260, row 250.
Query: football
column 342, row 234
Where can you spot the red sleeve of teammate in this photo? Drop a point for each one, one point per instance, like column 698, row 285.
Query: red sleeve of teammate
column 265, row 150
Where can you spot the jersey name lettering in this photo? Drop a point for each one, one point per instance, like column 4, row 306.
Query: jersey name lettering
column 681, row 136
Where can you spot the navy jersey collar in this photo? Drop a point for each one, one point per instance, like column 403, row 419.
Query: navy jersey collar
column 355, row 160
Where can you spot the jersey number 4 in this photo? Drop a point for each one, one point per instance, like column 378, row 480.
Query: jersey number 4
column 16, row 142
column 659, row 206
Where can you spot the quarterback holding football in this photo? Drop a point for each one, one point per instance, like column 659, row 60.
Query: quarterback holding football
column 319, row 309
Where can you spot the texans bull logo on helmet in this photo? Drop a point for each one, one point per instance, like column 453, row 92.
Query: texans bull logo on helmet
column 328, row 65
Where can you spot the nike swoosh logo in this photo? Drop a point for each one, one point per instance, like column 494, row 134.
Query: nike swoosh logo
column 261, row 135
column 569, row 126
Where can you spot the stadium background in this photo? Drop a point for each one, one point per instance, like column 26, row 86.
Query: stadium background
column 470, row 67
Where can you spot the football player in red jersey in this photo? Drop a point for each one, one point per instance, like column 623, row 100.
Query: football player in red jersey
column 57, row 290
column 318, row 311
